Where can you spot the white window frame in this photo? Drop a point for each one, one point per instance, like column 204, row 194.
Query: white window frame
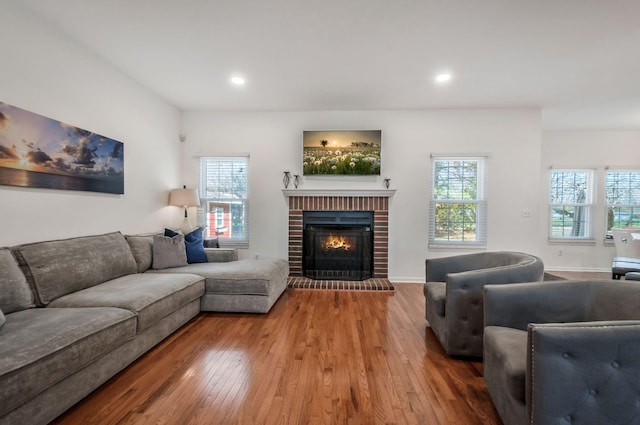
column 480, row 222
column 212, row 195
column 574, row 202
column 628, row 199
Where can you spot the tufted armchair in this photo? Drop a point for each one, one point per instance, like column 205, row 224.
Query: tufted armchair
column 453, row 293
column 564, row 352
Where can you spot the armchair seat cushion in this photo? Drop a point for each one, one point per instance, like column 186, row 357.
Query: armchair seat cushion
column 506, row 350
column 437, row 293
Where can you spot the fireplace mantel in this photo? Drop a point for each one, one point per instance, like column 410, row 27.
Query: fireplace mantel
column 383, row 193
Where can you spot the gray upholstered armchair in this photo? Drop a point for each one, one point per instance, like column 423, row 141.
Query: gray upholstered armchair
column 564, row 352
column 453, row 293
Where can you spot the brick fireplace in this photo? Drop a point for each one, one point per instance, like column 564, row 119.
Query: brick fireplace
column 376, row 201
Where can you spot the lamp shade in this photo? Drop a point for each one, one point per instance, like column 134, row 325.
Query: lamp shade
column 184, row 198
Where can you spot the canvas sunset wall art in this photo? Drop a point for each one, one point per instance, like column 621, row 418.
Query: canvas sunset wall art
column 36, row 151
column 350, row 152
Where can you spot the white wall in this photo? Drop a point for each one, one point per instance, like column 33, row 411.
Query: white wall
column 586, row 149
column 274, row 141
column 45, row 72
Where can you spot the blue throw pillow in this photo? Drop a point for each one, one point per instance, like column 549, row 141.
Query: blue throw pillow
column 193, row 244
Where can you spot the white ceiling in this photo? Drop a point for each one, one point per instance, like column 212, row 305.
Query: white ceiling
column 578, row 60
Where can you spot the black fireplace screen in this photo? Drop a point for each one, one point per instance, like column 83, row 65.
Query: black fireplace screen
column 337, row 251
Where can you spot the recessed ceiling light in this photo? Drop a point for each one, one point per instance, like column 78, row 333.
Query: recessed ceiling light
column 238, row 81
column 443, row 78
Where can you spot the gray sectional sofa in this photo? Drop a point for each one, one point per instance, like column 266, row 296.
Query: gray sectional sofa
column 75, row 312
column 564, row 352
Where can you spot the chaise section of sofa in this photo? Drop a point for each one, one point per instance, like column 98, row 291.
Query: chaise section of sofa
column 241, row 286
column 231, row 285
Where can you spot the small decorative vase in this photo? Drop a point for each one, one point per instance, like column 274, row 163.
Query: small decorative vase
column 387, row 182
column 286, row 179
column 296, row 180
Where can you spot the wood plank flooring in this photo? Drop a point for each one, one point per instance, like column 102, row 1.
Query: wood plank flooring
column 319, row 357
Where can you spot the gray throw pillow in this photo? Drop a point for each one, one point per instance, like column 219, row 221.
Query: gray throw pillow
column 169, row 252
column 142, row 249
column 2, row 319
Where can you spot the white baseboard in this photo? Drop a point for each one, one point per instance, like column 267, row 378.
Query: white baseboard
column 578, row 269
column 395, row 280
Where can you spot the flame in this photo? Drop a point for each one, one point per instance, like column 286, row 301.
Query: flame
column 337, row 242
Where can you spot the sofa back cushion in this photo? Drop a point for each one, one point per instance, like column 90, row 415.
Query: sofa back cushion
column 57, row 268
column 15, row 294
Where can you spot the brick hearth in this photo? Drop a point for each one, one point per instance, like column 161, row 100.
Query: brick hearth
column 378, row 204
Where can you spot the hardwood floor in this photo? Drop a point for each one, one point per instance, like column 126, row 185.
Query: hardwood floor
column 319, row 357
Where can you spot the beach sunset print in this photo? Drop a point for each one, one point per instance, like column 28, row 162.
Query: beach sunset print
column 36, row 151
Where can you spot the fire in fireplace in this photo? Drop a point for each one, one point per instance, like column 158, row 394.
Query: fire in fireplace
column 337, row 245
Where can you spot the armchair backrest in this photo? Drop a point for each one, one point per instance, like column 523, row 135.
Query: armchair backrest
column 517, row 305
column 437, row 269
column 614, row 300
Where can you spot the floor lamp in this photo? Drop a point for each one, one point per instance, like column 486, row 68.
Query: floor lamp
column 184, row 198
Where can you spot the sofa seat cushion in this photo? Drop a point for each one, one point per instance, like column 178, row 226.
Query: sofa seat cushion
column 242, row 277
column 508, row 353
column 40, row 347
column 436, row 292
column 150, row 296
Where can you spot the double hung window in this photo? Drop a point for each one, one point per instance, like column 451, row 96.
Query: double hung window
column 224, row 197
column 458, row 204
column 571, row 204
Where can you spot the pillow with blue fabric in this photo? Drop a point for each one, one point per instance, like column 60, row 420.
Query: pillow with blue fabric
column 193, row 242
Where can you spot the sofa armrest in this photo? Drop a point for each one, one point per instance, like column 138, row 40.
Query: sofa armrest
column 583, row 372
column 518, row 304
column 221, row 255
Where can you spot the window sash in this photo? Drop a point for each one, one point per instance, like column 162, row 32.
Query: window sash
column 458, row 206
column 224, row 194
